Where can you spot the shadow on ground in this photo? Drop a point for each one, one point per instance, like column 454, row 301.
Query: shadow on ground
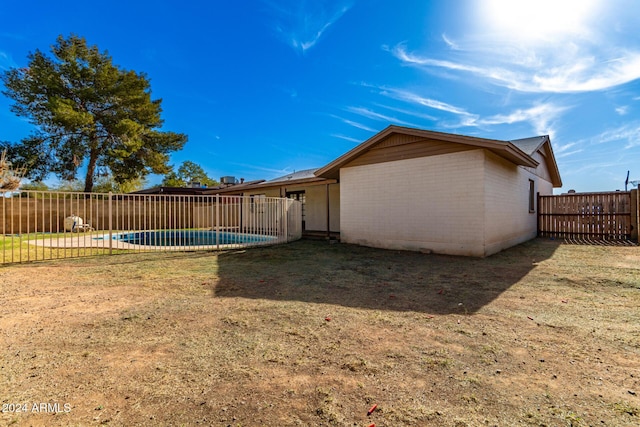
column 354, row 276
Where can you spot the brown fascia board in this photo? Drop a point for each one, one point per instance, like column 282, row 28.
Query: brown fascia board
column 262, row 184
column 502, row 148
column 552, row 165
column 265, row 184
column 304, row 181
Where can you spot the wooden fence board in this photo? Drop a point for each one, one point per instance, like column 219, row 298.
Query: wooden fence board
column 605, row 216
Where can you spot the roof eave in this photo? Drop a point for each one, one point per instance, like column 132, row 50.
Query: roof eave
column 504, row 149
column 516, row 156
column 311, row 180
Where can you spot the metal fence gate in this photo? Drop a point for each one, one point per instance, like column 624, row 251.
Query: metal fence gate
column 43, row 225
column 606, row 216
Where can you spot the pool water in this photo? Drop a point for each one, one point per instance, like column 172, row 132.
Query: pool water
column 189, row 238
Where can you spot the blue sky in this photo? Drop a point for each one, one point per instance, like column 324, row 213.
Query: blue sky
column 266, row 87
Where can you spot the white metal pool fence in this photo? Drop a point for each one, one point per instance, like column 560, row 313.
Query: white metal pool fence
column 43, row 225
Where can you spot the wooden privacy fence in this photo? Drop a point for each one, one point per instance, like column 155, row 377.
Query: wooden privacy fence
column 589, row 216
column 39, row 225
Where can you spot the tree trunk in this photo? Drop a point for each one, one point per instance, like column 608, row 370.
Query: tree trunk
column 91, row 170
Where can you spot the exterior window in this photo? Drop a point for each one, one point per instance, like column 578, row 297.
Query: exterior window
column 532, row 196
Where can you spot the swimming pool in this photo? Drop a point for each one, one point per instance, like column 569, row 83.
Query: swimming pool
column 190, row 238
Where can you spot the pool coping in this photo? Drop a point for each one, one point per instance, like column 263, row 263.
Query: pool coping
column 101, row 241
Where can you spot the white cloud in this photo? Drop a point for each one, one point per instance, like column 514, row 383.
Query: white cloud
column 353, row 123
column 567, row 150
column 567, row 69
column 346, row 138
column 563, row 148
column 6, row 61
column 452, row 45
column 370, row 114
column 568, row 154
column 541, row 117
column 426, row 102
column 301, row 24
column 622, row 110
column 588, row 74
column 413, row 113
column 414, row 98
column 358, row 125
column 628, row 134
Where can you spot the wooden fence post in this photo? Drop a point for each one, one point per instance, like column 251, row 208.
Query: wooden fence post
column 635, row 214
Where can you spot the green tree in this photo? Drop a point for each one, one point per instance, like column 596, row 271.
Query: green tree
column 105, row 184
column 35, row 186
column 188, row 172
column 88, row 112
column 72, row 186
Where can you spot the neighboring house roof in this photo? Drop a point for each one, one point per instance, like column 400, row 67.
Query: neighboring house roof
column 236, row 188
column 303, row 174
column 513, row 151
column 303, row 177
column 172, row 190
column 198, row 191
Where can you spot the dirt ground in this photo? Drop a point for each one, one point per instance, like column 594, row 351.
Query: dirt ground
column 317, row 334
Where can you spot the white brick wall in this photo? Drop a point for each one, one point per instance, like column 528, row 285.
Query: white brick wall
column 508, row 220
column 428, row 203
column 468, row 203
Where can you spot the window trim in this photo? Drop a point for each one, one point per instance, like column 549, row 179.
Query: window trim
column 532, row 196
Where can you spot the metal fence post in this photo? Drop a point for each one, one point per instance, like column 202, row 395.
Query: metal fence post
column 217, row 222
column 110, row 224
column 287, row 202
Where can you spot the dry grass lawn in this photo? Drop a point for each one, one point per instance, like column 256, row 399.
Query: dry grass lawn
column 313, row 334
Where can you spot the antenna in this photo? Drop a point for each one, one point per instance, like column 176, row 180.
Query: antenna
column 626, row 181
column 634, row 182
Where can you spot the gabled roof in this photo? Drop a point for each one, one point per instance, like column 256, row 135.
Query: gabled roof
column 541, row 145
column 518, row 152
column 530, row 145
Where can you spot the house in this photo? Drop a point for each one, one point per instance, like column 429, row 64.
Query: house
column 414, row 189
column 420, row 190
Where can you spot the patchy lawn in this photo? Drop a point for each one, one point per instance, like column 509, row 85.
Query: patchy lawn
column 316, row 334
